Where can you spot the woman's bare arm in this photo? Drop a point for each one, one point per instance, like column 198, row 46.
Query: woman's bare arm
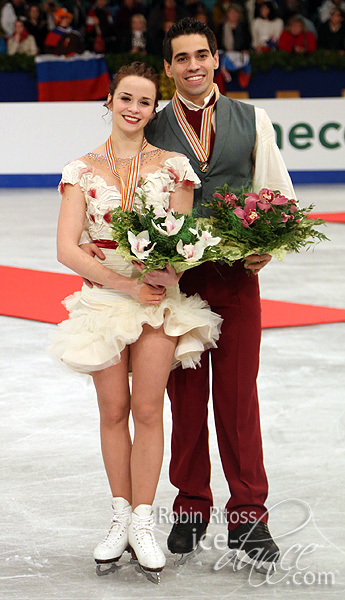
column 70, row 226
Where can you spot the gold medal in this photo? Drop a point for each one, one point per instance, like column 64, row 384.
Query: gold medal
column 203, row 166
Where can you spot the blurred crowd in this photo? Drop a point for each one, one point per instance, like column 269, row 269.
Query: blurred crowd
column 72, row 26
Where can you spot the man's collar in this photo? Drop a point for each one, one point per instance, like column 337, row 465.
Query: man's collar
column 191, row 106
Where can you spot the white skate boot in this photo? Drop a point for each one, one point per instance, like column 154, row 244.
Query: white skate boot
column 143, row 544
column 110, row 550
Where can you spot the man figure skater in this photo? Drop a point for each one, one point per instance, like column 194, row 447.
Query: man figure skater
column 241, row 149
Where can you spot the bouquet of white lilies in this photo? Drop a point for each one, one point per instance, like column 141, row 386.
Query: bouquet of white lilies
column 158, row 238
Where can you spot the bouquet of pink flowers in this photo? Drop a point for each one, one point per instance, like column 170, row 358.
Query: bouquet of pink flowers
column 157, row 237
column 266, row 222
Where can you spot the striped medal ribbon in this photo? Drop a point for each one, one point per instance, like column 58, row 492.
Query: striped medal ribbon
column 128, row 191
column 201, row 146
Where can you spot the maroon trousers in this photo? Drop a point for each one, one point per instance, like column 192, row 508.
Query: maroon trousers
column 233, row 293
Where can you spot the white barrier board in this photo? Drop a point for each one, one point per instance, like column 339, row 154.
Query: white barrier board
column 309, row 132
column 40, row 138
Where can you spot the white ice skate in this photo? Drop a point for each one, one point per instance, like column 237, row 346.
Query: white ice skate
column 145, row 550
column 110, row 550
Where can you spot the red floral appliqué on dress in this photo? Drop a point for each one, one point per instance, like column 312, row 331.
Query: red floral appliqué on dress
column 188, row 183
column 173, row 175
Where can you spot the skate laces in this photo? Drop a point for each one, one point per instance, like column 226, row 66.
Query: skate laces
column 143, row 528
column 119, row 522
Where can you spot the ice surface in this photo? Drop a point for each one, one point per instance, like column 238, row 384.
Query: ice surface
column 55, row 502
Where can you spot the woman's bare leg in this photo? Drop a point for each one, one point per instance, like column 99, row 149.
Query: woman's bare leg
column 151, row 357
column 114, row 405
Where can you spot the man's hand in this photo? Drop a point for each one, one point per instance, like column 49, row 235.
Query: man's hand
column 92, row 250
column 147, row 294
column 162, row 277
column 255, row 262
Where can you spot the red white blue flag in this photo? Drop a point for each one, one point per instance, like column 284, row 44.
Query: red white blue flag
column 81, row 77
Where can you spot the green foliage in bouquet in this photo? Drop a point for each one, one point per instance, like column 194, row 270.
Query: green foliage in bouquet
column 264, row 222
column 158, row 238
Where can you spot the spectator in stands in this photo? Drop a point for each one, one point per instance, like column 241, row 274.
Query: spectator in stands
column 235, row 33
column 203, row 16
column 21, row 42
column 49, row 8
column 36, row 25
column 327, row 8
column 295, row 38
column 63, row 39
column 294, row 8
column 219, row 11
column 252, row 8
column 100, row 28
column 11, row 11
column 236, row 43
column 138, row 37
column 128, row 8
column 195, row 8
column 78, row 10
column 332, row 33
column 266, row 29
column 166, row 11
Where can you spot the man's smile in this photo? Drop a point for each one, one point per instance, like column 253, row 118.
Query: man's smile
column 195, row 77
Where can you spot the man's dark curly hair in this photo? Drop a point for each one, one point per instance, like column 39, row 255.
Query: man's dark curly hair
column 187, row 26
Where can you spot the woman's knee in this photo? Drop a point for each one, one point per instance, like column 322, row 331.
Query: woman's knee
column 147, row 413
column 114, row 419
column 112, row 413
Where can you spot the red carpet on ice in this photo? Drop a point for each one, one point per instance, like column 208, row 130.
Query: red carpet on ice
column 37, row 295
column 330, row 217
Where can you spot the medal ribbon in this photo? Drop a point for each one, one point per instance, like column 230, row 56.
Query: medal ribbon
column 201, row 147
column 127, row 192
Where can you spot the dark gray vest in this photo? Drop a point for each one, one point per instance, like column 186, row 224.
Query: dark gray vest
column 231, row 161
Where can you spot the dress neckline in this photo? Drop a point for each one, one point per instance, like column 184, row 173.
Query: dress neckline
column 126, row 161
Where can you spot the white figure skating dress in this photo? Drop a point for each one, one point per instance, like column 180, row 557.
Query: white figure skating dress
column 102, row 321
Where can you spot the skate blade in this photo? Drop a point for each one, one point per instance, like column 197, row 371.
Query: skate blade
column 102, row 569
column 109, row 566
column 152, row 576
column 241, row 558
column 184, row 558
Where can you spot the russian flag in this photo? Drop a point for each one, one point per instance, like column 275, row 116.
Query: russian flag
column 73, row 78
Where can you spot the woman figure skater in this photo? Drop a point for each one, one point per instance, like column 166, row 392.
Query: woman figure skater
column 124, row 325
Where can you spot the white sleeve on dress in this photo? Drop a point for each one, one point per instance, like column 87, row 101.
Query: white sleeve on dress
column 269, row 168
column 73, row 173
column 180, row 170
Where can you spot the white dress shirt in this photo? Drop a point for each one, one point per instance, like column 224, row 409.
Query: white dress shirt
column 269, row 168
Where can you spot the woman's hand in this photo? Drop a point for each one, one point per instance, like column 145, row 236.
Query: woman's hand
column 255, row 262
column 146, row 294
column 162, row 277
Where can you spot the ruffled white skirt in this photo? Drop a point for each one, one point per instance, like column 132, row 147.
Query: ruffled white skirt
column 102, row 321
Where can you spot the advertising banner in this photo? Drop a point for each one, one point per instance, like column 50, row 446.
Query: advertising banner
column 40, row 138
